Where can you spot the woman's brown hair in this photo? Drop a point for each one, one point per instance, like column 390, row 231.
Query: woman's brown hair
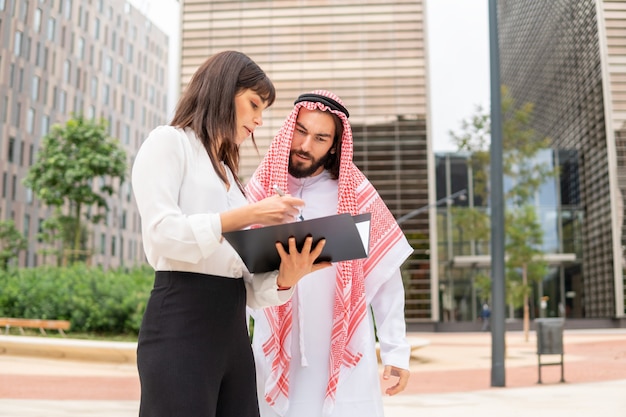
column 207, row 105
column 334, row 154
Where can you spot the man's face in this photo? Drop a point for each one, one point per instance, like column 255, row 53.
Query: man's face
column 311, row 143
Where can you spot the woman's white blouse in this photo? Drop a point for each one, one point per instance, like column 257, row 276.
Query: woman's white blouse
column 180, row 196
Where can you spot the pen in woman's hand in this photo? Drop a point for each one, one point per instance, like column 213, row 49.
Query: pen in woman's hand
column 278, row 190
column 281, row 193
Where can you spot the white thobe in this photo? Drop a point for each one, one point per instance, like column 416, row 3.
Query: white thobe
column 359, row 391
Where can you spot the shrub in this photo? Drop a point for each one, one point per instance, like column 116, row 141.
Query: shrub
column 92, row 299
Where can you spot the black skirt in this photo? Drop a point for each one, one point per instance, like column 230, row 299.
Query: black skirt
column 194, row 355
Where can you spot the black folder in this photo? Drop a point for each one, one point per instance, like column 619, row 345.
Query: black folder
column 347, row 238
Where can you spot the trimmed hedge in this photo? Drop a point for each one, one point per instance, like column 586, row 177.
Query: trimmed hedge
column 92, row 299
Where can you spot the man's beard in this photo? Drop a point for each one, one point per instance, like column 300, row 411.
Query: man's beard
column 300, row 171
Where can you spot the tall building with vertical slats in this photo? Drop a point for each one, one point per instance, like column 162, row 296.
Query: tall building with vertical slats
column 370, row 53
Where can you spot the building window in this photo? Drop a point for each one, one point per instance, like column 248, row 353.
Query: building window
column 81, row 16
column 105, row 94
column 96, row 28
column 26, row 225
column 23, row 10
column 17, row 43
column 20, row 81
column 129, row 53
column 68, row 9
column 67, row 66
column 18, row 115
column 45, row 125
column 126, row 134
column 11, row 150
column 62, row 102
column 51, row 28
column 38, row 54
column 37, row 20
column 5, row 109
column 30, row 120
column 108, row 65
column 94, row 88
column 14, row 187
column 80, row 48
column 40, row 230
column 103, row 242
column 34, row 93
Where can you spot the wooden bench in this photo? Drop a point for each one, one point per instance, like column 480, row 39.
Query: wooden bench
column 42, row 325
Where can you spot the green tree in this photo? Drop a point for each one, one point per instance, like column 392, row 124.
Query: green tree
column 12, row 242
column 524, row 236
column 77, row 167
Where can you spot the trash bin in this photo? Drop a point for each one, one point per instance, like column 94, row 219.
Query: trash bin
column 550, row 341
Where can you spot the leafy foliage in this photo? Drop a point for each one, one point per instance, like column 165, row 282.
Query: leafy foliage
column 12, row 242
column 524, row 236
column 76, row 169
column 92, row 299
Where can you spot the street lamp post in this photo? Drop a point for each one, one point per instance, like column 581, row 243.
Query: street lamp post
column 497, row 207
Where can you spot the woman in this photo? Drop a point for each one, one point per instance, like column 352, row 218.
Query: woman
column 194, row 356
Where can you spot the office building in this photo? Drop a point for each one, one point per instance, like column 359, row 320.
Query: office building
column 370, row 53
column 464, row 239
column 568, row 58
column 101, row 59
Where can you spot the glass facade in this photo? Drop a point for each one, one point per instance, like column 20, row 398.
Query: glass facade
column 464, row 247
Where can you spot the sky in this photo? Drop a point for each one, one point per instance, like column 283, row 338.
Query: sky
column 458, row 59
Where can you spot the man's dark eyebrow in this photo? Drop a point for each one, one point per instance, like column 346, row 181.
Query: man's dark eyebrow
column 324, row 135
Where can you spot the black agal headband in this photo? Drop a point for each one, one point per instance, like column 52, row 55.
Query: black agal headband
column 317, row 98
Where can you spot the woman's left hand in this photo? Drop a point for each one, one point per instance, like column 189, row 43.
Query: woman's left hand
column 294, row 265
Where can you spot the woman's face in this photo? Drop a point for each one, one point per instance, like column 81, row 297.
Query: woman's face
column 249, row 108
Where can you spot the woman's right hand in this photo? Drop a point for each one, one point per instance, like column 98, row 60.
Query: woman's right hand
column 267, row 212
column 277, row 209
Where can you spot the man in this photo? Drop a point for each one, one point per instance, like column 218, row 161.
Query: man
column 315, row 355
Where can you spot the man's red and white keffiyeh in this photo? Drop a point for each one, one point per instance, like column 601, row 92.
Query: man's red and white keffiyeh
column 356, row 195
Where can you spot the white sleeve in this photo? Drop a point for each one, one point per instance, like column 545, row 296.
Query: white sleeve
column 157, row 174
column 388, row 309
column 262, row 290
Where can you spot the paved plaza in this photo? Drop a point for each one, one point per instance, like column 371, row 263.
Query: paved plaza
column 450, row 376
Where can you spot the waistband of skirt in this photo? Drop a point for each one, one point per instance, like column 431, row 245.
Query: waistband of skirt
column 194, row 279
